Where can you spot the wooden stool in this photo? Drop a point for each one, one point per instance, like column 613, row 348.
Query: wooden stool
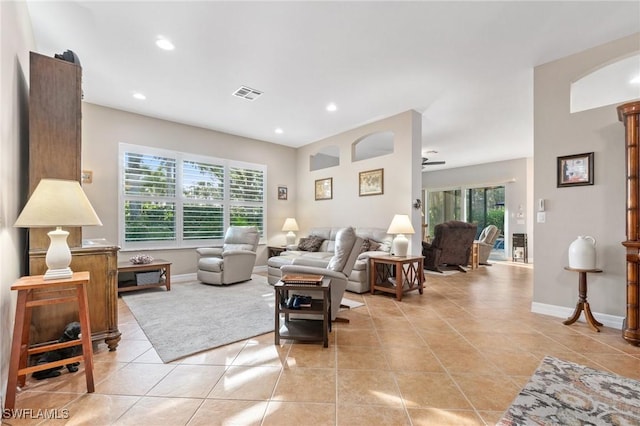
column 61, row 291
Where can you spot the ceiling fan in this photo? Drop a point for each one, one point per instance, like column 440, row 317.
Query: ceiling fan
column 426, row 162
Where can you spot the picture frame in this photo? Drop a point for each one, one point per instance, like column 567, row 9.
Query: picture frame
column 324, row 189
column 575, row 170
column 371, row 182
column 283, row 193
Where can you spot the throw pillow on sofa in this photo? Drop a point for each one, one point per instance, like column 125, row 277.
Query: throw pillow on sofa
column 311, row 243
column 369, row 245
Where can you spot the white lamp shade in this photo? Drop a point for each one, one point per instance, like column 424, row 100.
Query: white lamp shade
column 290, row 224
column 57, row 202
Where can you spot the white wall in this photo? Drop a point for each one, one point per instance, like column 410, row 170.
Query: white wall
column 402, row 170
column 104, row 128
column 16, row 40
column 515, row 175
column 597, row 210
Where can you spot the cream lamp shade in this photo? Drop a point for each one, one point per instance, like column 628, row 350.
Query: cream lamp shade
column 290, row 225
column 57, row 203
column 400, row 225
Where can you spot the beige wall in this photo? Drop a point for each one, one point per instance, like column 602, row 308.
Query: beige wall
column 402, row 184
column 597, row 210
column 104, row 128
column 16, row 40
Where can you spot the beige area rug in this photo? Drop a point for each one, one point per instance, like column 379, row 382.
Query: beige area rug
column 564, row 393
column 195, row 317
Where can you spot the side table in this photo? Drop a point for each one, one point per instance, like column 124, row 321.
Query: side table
column 408, row 271
column 34, row 291
column 310, row 330
column 157, row 264
column 582, row 299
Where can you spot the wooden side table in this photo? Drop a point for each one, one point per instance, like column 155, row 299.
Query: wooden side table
column 582, row 299
column 34, row 291
column 408, row 271
column 474, row 256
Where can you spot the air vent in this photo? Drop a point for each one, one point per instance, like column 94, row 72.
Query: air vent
column 247, row 93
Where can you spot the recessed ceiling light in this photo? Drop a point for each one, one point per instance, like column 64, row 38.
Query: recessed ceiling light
column 164, row 43
column 636, row 80
column 140, row 96
column 331, row 107
column 279, row 130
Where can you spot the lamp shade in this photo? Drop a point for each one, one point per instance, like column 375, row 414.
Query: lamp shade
column 290, row 225
column 57, row 202
column 401, row 224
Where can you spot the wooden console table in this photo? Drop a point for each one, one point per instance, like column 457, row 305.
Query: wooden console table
column 408, row 271
column 582, row 299
column 158, row 264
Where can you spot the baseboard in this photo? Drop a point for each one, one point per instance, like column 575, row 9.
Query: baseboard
column 184, row 278
column 612, row 321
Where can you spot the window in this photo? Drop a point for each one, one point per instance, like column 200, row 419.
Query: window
column 172, row 200
column 485, row 206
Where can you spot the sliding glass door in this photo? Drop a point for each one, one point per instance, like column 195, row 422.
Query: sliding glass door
column 443, row 206
column 485, row 206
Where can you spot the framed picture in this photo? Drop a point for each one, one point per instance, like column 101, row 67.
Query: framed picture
column 324, row 189
column 371, row 182
column 282, row 193
column 575, row 170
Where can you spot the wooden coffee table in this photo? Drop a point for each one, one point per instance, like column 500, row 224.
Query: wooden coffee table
column 158, row 264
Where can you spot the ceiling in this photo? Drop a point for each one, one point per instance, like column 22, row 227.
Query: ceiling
column 467, row 67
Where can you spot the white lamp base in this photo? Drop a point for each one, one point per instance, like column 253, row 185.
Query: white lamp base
column 400, row 245
column 291, row 238
column 58, row 256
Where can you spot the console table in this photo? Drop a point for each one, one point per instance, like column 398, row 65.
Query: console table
column 396, row 274
column 582, row 299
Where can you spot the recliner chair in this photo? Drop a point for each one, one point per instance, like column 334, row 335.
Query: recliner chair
column 347, row 250
column 486, row 240
column 232, row 262
column 451, row 245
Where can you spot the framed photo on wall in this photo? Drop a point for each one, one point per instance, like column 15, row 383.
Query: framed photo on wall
column 282, row 193
column 575, row 170
column 324, row 189
column 371, row 182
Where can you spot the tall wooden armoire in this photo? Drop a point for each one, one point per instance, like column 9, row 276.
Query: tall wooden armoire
column 629, row 114
column 55, row 115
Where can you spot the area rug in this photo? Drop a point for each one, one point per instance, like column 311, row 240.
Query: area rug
column 564, row 393
column 194, row 317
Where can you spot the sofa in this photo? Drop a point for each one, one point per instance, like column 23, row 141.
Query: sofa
column 375, row 241
column 451, row 245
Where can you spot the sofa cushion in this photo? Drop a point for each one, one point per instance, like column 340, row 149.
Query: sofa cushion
column 311, row 243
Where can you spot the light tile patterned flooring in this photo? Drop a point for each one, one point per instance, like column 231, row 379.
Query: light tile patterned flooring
column 456, row 355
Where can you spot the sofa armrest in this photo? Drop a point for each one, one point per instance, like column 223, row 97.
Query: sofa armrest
column 310, row 261
column 367, row 254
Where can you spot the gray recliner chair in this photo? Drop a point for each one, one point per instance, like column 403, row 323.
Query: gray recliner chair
column 232, row 262
column 347, row 249
column 486, row 240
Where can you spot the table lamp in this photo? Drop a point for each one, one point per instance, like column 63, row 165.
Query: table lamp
column 57, row 203
column 400, row 225
column 290, row 225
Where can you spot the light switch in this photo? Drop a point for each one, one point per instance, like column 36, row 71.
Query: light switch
column 542, row 216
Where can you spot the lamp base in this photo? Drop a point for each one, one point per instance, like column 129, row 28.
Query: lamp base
column 400, row 245
column 58, row 274
column 291, row 238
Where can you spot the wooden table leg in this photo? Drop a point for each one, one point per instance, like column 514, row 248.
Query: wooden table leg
column 583, row 305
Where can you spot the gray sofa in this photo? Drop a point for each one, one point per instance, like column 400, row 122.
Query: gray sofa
column 358, row 279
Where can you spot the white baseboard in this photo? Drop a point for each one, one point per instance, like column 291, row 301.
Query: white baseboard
column 183, row 277
column 612, row 321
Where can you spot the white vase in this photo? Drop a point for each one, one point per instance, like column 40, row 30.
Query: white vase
column 582, row 253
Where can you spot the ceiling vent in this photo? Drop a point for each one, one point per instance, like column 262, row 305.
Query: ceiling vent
column 247, row 93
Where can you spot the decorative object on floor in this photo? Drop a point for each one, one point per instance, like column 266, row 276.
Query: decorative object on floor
column 564, row 393
column 193, row 317
column 141, row 259
column 582, row 253
column 400, row 225
column 371, row 182
column 290, row 225
column 324, row 189
column 57, row 203
column 575, row 170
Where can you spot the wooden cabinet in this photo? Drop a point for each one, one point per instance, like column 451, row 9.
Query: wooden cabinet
column 55, row 96
column 102, row 264
column 629, row 114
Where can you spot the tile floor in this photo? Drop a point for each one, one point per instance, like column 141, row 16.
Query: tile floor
column 456, row 355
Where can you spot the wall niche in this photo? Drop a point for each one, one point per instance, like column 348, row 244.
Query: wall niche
column 372, row 145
